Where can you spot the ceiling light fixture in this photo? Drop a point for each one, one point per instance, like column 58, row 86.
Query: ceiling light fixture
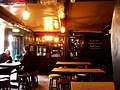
column 25, row 13
column 72, row 1
column 15, row 30
column 62, row 29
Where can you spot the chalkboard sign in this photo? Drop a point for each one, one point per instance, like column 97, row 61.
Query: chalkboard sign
column 95, row 44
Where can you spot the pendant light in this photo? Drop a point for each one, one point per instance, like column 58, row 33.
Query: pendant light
column 25, row 13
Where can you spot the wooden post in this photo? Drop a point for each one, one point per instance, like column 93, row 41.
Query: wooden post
column 115, row 44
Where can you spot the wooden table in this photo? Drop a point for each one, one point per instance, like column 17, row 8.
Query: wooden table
column 69, row 72
column 73, row 63
column 92, row 86
column 76, row 70
column 10, row 66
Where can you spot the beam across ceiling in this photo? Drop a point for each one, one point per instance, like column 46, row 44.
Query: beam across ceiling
column 6, row 15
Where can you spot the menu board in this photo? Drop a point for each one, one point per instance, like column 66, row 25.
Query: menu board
column 95, row 44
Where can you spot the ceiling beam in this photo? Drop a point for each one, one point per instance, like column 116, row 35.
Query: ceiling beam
column 6, row 15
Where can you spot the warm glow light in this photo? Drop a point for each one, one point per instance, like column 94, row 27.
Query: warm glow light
column 25, row 15
column 37, row 38
column 72, row 1
column 56, row 39
column 48, row 23
column 56, row 24
column 15, row 30
column 61, row 11
column 62, row 29
column 61, row 14
column 50, row 38
column 46, row 38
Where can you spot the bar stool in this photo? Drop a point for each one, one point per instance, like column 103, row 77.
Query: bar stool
column 81, row 77
column 53, row 77
column 34, row 78
column 24, row 80
column 64, row 84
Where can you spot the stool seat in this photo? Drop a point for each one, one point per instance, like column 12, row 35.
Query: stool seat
column 84, row 75
column 81, row 77
column 24, row 75
column 54, row 76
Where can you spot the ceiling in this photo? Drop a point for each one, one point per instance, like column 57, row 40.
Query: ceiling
column 81, row 16
column 90, row 16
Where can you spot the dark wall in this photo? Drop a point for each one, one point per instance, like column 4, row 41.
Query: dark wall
column 45, row 65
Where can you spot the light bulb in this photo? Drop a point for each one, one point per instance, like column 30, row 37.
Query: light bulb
column 72, row 1
column 25, row 14
column 62, row 29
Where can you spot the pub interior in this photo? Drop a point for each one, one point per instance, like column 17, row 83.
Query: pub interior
column 75, row 41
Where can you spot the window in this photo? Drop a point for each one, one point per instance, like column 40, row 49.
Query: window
column 2, row 27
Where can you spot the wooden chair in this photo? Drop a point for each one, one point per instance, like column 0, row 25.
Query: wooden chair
column 24, row 80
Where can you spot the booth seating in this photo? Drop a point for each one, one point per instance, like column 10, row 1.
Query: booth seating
column 54, row 78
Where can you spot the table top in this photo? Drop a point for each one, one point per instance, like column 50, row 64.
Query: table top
column 76, row 70
column 10, row 64
column 92, row 86
column 72, row 63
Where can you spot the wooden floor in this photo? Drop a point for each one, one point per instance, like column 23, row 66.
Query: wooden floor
column 43, row 83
